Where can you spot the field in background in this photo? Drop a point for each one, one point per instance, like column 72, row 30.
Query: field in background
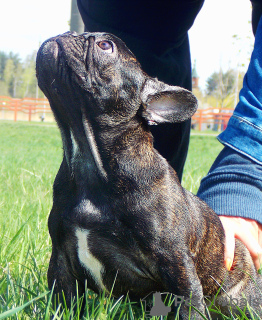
column 30, row 155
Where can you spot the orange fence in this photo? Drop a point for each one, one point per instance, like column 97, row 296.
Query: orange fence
column 26, row 109
column 216, row 119
column 29, row 109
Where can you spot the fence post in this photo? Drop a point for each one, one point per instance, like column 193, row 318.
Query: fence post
column 200, row 119
column 16, row 108
column 29, row 112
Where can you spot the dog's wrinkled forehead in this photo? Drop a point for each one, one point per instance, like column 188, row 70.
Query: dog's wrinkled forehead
column 101, row 47
column 90, row 55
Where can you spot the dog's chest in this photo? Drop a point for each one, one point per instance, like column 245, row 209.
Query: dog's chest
column 112, row 264
column 91, row 264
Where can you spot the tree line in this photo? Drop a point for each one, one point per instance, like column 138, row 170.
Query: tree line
column 18, row 80
column 222, row 89
column 17, row 77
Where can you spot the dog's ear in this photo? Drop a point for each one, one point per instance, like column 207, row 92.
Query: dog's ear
column 164, row 103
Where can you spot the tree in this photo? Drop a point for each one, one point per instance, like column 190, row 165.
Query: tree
column 18, row 79
column 222, row 86
column 3, row 59
column 12, row 76
column 28, row 77
column 76, row 22
column 8, row 75
column 3, row 89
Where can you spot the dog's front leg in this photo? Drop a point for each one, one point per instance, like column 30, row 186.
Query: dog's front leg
column 66, row 287
column 182, row 280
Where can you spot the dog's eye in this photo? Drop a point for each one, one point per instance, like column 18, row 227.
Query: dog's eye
column 106, row 46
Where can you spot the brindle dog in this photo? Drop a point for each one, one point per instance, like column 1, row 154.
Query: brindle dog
column 120, row 218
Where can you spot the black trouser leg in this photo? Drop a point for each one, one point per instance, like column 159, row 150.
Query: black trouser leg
column 256, row 13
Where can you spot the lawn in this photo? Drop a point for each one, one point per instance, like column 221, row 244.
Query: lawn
column 30, row 155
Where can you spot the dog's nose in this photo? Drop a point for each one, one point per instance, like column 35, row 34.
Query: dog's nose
column 89, row 37
column 86, row 35
column 69, row 33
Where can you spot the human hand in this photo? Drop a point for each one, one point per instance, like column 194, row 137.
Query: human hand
column 249, row 232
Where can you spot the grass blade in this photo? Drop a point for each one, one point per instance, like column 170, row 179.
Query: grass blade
column 13, row 311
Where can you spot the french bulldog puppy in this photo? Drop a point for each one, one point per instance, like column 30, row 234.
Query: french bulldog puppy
column 121, row 220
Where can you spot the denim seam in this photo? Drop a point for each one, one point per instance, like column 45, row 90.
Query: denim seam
column 238, row 150
column 230, row 174
column 247, row 122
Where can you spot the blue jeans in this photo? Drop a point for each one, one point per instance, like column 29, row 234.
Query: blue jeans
column 233, row 185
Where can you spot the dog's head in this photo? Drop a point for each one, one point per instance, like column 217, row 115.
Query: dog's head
column 95, row 75
column 97, row 89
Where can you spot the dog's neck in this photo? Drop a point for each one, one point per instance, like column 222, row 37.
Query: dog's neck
column 97, row 156
column 94, row 150
column 82, row 154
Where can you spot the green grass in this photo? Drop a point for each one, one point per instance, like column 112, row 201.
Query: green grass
column 29, row 159
column 30, row 156
column 203, row 150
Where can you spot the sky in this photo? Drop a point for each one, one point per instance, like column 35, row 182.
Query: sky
column 211, row 37
column 24, row 25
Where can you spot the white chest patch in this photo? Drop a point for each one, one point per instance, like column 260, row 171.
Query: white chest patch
column 93, row 266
